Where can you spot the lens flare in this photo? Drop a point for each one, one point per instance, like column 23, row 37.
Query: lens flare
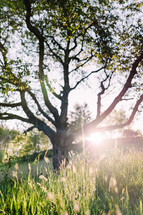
column 95, row 138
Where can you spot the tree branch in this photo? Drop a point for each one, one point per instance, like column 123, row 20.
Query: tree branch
column 55, row 41
column 103, row 89
column 9, row 116
column 10, row 105
column 54, row 54
column 92, row 126
column 34, row 120
column 127, row 85
column 32, row 28
column 39, row 107
column 29, row 129
column 51, row 89
column 128, row 122
column 87, row 76
column 40, row 37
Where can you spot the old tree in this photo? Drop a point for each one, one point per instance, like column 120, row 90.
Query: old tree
column 48, row 48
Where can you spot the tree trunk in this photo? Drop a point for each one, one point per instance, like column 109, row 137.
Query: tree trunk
column 60, row 152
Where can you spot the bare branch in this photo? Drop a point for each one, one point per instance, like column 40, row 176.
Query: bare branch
column 55, row 41
column 29, row 129
column 103, row 89
column 86, row 60
column 12, row 105
column 34, row 120
column 128, row 122
column 28, row 112
column 9, row 116
column 127, row 85
column 54, row 54
column 93, row 72
column 39, row 107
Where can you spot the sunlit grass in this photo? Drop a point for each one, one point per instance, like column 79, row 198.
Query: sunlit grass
column 110, row 184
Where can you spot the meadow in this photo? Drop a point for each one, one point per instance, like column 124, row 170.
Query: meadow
column 92, row 184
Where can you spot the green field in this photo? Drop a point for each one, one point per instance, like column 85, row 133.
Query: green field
column 93, row 184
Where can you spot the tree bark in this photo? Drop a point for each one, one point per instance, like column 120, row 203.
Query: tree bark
column 60, row 151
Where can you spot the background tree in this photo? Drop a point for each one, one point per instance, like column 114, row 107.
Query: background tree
column 79, row 117
column 15, row 143
column 55, row 43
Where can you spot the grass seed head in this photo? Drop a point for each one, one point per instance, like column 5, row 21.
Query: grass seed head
column 113, row 182
column 118, row 211
column 87, row 212
column 50, row 196
column 14, row 174
column 63, row 179
column 76, row 207
column 42, row 177
column 116, row 189
column 16, row 166
column 46, row 159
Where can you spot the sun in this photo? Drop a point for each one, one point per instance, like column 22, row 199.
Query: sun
column 95, row 138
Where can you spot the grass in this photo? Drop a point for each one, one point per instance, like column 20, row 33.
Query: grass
column 109, row 184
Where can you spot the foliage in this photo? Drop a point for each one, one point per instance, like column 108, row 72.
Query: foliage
column 11, row 140
column 29, row 143
column 91, row 185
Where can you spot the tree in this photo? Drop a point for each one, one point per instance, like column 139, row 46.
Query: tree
column 11, row 140
column 79, row 117
column 33, row 142
column 56, row 42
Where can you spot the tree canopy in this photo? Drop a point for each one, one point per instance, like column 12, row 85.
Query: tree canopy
column 49, row 48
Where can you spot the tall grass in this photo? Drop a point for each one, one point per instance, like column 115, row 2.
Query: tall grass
column 110, row 184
